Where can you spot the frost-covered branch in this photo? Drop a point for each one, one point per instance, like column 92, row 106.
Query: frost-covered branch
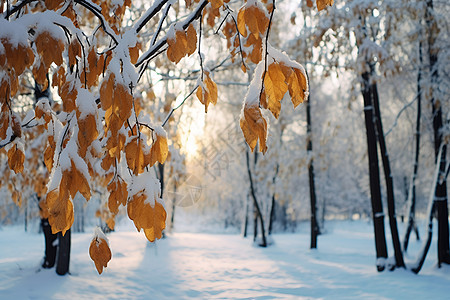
column 155, row 48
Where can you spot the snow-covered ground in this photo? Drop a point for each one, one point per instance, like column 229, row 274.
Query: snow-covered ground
column 223, row 266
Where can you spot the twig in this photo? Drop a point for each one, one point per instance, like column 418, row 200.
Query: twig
column 149, row 14
column 399, row 114
column 149, row 54
column 16, row 8
column 265, row 49
column 165, row 13
column 91, row 7
column 199, row 44
column 179, row 105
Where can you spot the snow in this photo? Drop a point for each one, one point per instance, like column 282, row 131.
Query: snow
column 217, row 266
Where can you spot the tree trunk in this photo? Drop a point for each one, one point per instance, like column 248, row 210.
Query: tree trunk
column 172, row 213
column 62, row 266
column 50, row 247
column 388, row 178
column 245, row 226
column 272, row 205
column 412, row 189
column 161, row 177
column 441, row 186
column 374, row 176
column 255, row 202
column 431, row 209
column 312, row 189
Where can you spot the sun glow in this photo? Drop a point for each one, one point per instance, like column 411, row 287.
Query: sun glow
column 192, row 130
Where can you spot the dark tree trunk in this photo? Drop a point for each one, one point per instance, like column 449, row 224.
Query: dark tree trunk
column 272, row 205
column 272, row 215
column 255, row 202
column 374, row 175
column 161, row 177
column 441, row 198
column 245, row 226
column 62, row 266
column 412, row 193
column 50, row 247
column 172, row 213
column 63, row 249
column 255, row 223
column 312, row 189
column 388, row 178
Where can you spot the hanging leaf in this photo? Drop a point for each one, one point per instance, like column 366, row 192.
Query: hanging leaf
column 159, row 149
column 99, row 250
column 16, row 158
column 275, row 88
column 207, row 92
column 118, row 194
column 145, row 216
column 254, row 127
column 321, row 4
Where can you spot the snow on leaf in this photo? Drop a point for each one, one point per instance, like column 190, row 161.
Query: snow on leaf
column 178, row 45
column 99, row 250
column 145, row 216
column 207, row 91
column 159, row 149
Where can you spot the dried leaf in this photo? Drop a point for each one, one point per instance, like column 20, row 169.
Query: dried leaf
column 321, row 4
column 275, row 88
column 99, row 251
column 159, row 150
column 16, row 158
column 254, row 127
column 191, row 36
column 208, row 93
column 145, row 216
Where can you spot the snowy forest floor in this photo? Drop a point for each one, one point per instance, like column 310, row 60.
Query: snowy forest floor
column 223, row 266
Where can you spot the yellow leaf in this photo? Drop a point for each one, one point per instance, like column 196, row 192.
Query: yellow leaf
column 135, row 156
column 79, row 183
column 106, row 91
column 241, row 22
column 207, row 94
column 49, row 153
column 275, row 88
column 216, row 3
column 159, row 150
column 178, row 46
column 16, row 126
column 60, row 208
column 254, row 127
column 118, row 195
column 134, row 53
column 87, row 133
column 321, row 4
column 15, row 159
column 99, row 252
column 191, row 36
column 144, row 216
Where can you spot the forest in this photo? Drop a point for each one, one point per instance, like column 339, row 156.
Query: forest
column 232, row 149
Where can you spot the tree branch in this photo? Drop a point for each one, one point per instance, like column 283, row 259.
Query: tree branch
column 149, row 14
column 155, row 48
column 16, row 8
column 98, row 13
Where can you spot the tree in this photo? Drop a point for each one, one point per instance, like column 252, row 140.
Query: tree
column 97, row 133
